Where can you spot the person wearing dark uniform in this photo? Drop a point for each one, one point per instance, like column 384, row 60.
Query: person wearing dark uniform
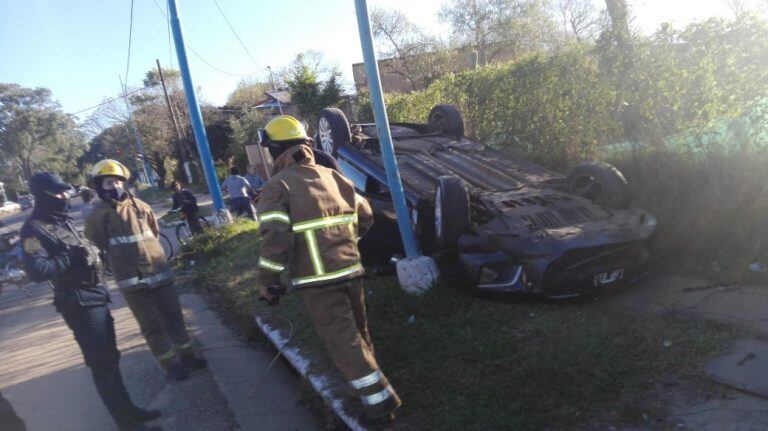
column 54, row 251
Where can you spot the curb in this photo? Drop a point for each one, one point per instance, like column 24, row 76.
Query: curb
column 301, row 364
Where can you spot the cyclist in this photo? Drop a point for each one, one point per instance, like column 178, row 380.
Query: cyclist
column 185, row 201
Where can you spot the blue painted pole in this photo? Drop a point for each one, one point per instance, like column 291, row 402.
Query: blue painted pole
column 195, row 115
column 382, row 128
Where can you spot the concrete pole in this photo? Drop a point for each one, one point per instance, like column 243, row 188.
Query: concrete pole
column 416, row 273
column 196, row 117
column 382, row 128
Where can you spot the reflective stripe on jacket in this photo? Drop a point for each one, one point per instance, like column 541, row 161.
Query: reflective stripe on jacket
column 310, row 218
column 127, row 231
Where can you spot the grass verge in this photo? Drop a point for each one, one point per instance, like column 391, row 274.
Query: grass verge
column 463, row 363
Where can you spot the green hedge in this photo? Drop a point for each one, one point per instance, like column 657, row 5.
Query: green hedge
column 688, row 106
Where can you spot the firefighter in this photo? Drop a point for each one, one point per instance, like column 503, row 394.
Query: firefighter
column 125, row 228
column 54, row 251
column 310, row 218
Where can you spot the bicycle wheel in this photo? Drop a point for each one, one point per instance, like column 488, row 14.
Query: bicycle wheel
column 204, row 223
column 167, row 246
column 183, row 234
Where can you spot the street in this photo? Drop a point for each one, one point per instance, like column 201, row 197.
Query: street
column 44, row 378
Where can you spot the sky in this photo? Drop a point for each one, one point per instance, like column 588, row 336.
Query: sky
column 79, row 48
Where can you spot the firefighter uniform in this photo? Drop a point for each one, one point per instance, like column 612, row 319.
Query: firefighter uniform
column 125, row 227
column 55, row 252
column 310, row 218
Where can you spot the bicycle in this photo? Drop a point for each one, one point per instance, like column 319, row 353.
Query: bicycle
column 167, row 246
column 11, row 268
column 183, row 231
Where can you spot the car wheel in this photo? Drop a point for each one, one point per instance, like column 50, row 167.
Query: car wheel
column 332, row 130
column 451, row 210
column 446, row 119
column 601, row 183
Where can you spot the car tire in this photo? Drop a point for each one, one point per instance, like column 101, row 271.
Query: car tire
column 451, row 210
column 601, row 183
column 446, row 119
column 332, row 130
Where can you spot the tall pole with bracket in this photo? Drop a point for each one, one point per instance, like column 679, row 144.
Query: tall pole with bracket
column 196, row 117
column 416, row 273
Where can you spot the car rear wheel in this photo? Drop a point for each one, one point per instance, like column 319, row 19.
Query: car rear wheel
column 332, row 130
column 451, row 210
column 601, row 183
column 446, row 119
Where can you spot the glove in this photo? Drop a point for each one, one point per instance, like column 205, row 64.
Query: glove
column 78, row 255
column 271, row 294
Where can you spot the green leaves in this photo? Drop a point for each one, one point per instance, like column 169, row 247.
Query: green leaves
column 35, row 134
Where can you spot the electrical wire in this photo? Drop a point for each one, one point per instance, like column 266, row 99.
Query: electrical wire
column 235, row 33
column 200, row 57
column 130, row 37
column 110, row 100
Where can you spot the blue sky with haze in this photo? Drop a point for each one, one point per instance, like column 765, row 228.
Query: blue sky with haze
column 78, row 48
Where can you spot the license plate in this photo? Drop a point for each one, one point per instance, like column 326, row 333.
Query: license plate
column 608, row 277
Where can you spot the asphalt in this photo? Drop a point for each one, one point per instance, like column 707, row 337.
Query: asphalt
column 45, row 380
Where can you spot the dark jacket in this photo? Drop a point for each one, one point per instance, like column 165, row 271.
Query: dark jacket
column 53, row 251
column 186, row 201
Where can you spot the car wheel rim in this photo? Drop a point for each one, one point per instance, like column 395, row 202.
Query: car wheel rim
column 325, row 136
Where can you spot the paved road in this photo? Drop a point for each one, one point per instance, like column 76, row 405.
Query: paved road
column 44, row 378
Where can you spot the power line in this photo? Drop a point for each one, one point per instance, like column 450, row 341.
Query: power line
column 200, row 57
column 235, row 33
column 109, row 101
column 130, row 36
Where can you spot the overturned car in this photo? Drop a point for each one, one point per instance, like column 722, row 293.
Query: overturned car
column 513, row 226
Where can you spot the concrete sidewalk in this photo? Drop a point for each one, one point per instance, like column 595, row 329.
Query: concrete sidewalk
column 44, row 378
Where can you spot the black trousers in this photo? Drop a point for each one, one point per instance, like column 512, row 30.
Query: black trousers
column 94, row 330
column 241, row 206
column 194, row 222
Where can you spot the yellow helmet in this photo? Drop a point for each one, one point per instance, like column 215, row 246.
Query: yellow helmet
column 110, row 168
column 285, row 128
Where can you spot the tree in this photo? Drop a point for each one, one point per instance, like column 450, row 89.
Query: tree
column 580, row 18
column 309, row 93
column 35, row 134
column 152, row 78
column 416, row 56
column 494, row 27
column 248, row 93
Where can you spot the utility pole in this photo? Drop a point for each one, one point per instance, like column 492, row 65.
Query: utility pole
column 416, row 273
column 179, row 145
column 274, row 89
column 139, row 147
column 196, row 117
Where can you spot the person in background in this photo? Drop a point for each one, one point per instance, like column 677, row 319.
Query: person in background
column 185, row 201
column 54, row 251
column 254, row 179
column 239, row 193
column 87, row 196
